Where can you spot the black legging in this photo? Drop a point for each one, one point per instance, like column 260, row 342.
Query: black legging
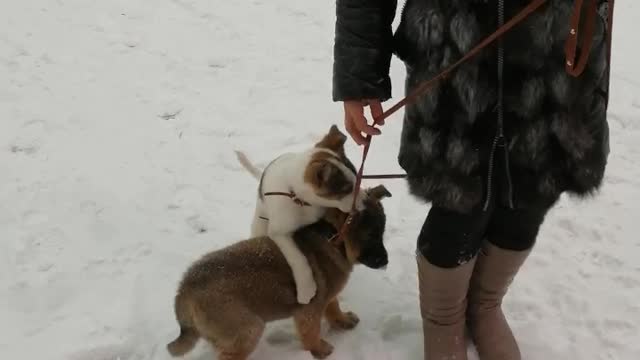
column 449, row 239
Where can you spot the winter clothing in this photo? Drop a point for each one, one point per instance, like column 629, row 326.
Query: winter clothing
column 493, row 273
column 492, row 146
column 443, row 302
column 362, row 50
column 449, row 238
column 551, row 127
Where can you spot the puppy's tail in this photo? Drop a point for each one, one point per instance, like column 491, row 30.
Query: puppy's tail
column 184, row 343
column 188, row 334
column 244, row 161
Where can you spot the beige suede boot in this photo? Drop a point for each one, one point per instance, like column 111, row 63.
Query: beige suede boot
column 494, row 272
column 443, row 303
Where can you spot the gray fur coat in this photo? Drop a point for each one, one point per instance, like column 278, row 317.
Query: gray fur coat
column 554, row 135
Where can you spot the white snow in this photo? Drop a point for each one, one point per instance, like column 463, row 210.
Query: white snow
column 118, row 123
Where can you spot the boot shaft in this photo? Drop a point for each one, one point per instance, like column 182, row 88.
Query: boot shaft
column 443, row 305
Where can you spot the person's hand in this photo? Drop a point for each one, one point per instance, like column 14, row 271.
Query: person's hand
column 355, row 121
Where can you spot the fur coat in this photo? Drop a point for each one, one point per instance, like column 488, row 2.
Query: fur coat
column 555, row 132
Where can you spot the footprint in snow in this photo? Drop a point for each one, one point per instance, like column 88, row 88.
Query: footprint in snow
column 607, row 261
column 396, row 326
column 626, row 281
column 187, row 196
column 197, row 224
column 216, row 64
column 30, row 137
column 170, row 115
column 280, row 336
column 34, row 218
column 110, row 352
column 282, row 333
column 23, row 149
column 567, row 225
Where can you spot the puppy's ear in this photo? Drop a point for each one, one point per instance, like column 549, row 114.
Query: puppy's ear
column 334, row 140
column 325, row 171
column 379, row 192
column 318, row 174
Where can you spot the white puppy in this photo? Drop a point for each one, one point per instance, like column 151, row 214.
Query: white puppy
column 321, row 177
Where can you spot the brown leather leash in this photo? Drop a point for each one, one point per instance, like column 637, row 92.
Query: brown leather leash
column 575, row 64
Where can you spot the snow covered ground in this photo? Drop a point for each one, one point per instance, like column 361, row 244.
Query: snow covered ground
column 118, row 121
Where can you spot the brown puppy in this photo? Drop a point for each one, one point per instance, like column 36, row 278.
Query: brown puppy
column 228, row 295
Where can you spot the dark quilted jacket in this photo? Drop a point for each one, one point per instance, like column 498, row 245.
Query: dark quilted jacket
column 555, row 128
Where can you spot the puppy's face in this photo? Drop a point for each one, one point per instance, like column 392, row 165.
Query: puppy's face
column 363, row 240
column 327, row 178
column 330, row 173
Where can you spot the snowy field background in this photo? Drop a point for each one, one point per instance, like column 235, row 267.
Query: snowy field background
column 118, row 121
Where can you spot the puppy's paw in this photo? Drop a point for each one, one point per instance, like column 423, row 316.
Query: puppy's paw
column 323, row 350
column 347, row 321
column 345, row 206
column 306, row 291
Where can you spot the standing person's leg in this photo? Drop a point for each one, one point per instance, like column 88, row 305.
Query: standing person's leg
column 447, row 248
column 510, row 237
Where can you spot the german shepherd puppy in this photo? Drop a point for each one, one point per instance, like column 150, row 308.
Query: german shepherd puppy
column 229, row 295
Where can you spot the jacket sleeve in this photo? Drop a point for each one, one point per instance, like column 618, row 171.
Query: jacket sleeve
column 362, row 49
